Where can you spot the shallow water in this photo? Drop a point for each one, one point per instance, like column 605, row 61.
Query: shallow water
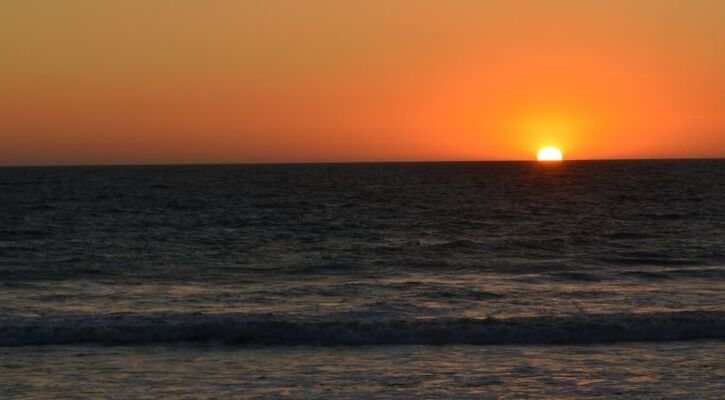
column 626, row 370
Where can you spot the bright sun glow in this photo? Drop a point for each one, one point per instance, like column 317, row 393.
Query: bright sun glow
column 549, row 154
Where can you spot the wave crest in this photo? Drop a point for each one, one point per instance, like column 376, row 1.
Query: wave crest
column 270, row 329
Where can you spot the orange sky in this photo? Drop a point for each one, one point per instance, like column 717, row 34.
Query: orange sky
column 182, row 81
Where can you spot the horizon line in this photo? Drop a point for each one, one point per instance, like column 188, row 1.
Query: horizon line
column 241, row 163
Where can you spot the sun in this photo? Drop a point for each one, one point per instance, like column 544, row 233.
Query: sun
column 549, row 154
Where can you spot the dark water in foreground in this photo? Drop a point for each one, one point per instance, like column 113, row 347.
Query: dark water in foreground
column 519, row 254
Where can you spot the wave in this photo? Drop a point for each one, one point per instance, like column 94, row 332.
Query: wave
column 271, row 329
column 636, row 260
column 647, row 275
column 576, row 276
column 714, row 272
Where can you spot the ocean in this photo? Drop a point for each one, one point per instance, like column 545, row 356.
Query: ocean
column 579, row 279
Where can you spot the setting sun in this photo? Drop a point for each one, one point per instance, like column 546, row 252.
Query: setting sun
column 549, row 154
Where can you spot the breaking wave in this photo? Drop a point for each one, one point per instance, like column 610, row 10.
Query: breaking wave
column 272, row 329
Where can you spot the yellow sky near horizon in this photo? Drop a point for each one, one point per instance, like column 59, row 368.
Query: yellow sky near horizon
column 162, row 81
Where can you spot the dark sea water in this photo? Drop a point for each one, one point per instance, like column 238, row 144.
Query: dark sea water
column 573, row 279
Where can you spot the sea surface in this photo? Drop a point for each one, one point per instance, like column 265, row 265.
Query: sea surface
column 579, row 279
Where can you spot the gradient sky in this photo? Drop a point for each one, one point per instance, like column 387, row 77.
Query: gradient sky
column 180, row 81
